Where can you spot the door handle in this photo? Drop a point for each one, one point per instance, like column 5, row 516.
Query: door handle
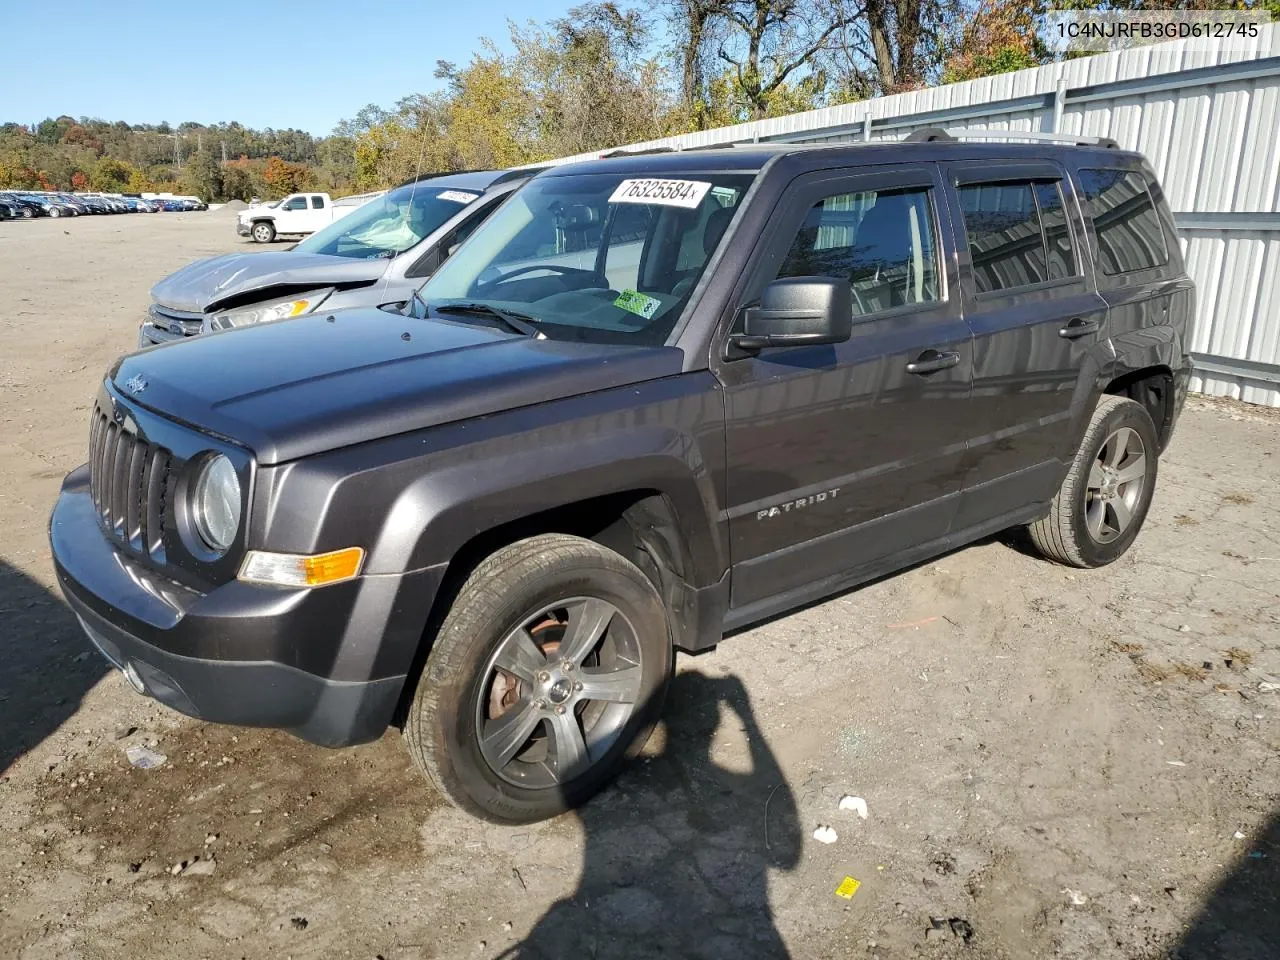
column 931, row 361
column 1079, row 327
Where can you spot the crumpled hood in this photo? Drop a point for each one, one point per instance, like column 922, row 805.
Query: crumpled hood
column 204, row 284
column 299, row 387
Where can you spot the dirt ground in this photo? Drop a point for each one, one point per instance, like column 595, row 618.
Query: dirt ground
column 1056, row 763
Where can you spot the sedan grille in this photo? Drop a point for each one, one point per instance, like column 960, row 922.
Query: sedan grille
column 131, row 483
column 176, row 322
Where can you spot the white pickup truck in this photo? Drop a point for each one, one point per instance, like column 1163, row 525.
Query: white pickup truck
column 296, row 215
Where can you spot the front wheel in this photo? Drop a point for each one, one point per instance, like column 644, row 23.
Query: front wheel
column 547, row 674
column 1104, row 499
column 264, row 232
column 55, row 212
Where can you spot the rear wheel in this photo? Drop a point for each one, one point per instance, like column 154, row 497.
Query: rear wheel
column 547, row 674
column 1104, row 499
column 55, row 212
column 263, row 232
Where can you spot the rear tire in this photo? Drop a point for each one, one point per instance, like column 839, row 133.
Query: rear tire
column 263, row 232
column 503, row 720
column 1102, row 503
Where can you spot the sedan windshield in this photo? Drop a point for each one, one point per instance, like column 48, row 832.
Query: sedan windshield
column 598, row 257
column 390, row 224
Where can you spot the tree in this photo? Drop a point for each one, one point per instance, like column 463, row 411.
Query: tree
column 590, row 82
column 999, row 38
column 283, row 178
column 237, row 184
column 111, row 175
column 202, row 177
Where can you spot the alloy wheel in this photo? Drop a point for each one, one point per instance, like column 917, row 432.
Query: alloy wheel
column 1117, row 481
column 557, row 692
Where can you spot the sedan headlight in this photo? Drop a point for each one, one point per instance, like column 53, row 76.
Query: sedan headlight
column 215, row 504
column 267, row 312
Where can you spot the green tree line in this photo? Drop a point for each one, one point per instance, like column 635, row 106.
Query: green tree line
column 604, row 74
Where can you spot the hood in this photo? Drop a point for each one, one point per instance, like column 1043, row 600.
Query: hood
column 204, row 284
column 292, row 389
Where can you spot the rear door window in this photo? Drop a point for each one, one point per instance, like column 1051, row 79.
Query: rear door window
column 1017, row 234
column 317, row 203
column 1130, row 236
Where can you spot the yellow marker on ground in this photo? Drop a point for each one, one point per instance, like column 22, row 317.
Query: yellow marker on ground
column 848, row 887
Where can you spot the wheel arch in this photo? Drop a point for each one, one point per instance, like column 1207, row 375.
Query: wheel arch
column 1154, row 388
column 640, row 523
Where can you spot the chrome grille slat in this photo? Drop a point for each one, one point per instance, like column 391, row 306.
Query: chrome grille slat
column 120, row 482
column 133, row 491
column 95, row 437
column 106, row 466
column 154, row 498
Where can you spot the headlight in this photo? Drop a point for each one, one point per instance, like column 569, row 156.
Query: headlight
column 215, row 504
column 267, row 312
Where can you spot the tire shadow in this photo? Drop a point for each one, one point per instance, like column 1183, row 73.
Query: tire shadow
column 678, row 852
column 48, row 664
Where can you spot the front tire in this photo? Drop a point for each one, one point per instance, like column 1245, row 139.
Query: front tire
column 547, row 674
column 263, row 232
column 55, row 213
column 1104, row 499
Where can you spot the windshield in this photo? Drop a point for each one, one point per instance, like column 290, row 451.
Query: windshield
column 598, row 257
column 390, row 224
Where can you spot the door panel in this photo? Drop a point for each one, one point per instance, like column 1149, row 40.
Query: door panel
column 837, row 455
column 1030, row 303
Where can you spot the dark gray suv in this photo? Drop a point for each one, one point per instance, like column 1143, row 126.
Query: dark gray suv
column 651, row 399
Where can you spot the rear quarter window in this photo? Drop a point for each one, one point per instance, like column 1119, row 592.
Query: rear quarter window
column 1124, row 207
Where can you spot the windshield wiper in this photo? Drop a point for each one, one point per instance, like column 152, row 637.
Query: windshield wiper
column 519, row 322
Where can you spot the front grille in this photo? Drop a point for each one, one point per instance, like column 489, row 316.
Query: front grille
column 131, row 483
column 176, row 322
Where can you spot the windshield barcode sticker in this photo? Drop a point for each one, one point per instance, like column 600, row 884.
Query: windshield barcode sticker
column 671, row 193
column 457, row 196
column 638, row 303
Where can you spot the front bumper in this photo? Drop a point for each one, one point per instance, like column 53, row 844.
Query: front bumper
column 327, row 664
column 243, row 229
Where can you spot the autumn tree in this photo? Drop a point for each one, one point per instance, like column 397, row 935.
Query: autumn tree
column 283, row 178
column 1000, row 37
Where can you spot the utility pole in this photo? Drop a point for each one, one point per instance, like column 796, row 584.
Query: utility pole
column 224, row 151
column 199, row 140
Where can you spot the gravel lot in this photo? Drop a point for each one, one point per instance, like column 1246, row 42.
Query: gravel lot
column 1056, row 763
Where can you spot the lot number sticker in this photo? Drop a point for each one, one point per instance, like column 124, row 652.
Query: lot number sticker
column 457, row 196
column 670, row 193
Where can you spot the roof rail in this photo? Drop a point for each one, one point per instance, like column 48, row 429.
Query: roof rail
column 518, row 173
column 937, row 134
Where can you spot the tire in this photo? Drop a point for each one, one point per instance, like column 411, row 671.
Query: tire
column 263, row 232
column 1096, row 514
column 463, row 694
column 26, row 213
column 55, row 212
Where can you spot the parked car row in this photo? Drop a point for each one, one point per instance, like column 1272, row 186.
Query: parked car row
column 28, row 204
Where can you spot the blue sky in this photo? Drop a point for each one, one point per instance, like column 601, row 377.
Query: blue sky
column 147, row 61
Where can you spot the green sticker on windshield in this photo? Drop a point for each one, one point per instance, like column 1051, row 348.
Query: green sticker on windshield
column 638, row 303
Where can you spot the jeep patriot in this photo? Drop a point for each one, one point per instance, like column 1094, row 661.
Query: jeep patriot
column 652, row 399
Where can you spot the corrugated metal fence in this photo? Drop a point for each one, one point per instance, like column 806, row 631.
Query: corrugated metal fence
column 1207, row 120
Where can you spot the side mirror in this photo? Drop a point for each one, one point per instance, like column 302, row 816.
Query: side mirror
column 797, row 312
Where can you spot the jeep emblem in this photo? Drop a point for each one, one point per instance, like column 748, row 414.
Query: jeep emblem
column 136, row 384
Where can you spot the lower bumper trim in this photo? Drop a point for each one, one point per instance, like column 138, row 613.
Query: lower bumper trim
column 331, row 713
